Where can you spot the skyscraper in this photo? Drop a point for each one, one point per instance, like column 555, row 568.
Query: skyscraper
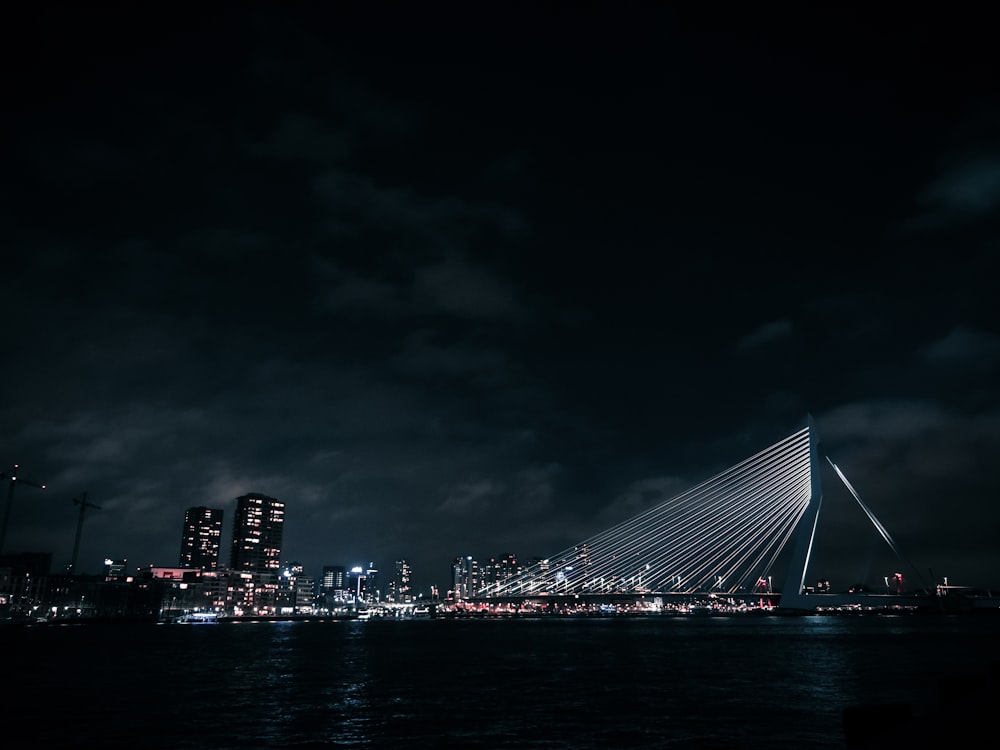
column 372, row 582
column 200, row 538
column 257, row 531
column 399, row 587
column 465, row 577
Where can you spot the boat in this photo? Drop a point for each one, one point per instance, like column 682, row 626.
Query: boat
column 198, row 618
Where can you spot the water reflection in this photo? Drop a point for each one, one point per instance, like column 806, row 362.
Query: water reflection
column 429, row 684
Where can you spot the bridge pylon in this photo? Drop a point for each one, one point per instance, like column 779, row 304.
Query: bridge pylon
column 792, row 594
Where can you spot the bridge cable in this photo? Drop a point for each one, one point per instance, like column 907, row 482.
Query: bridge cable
column 878, row 525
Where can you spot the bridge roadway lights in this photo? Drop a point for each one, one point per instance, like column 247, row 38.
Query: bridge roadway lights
column 648, row 603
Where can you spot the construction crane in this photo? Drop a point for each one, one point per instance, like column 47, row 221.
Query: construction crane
column 82, row 502
column 10, row 498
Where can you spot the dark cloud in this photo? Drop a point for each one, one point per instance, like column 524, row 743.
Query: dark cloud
column 966, row 193
column 350, row 292
column 454, row 286
column 767, row 333
column 423, row 357
column 301, row 137
column 965, row 349
column 971, row 190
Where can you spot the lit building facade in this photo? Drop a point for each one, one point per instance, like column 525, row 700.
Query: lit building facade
column 357, row 585
column 333, row 585
column 465, row 577
column 500, row 569
column 257, row 532
column 362, row 584
column 115, row 570
column 400, row 590
column 201, row 538
column 372, row 590
column 297, row 592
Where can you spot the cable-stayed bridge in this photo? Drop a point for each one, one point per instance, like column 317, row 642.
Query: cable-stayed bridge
column 721, row 537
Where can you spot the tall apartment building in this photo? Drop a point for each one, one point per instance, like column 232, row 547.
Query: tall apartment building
column 200, row 538
column 257, row 531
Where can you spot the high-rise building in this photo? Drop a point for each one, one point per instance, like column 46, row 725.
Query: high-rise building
column 372, row 583
column 399, row 588
column 508, row 566
column 257, row 532
column 334, row 578
column 500, row 569
column 465, row 577
column 200, row 538
column 357, row 584
column 362, row 583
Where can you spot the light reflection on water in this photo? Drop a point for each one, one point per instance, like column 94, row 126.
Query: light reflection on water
column 548, row 683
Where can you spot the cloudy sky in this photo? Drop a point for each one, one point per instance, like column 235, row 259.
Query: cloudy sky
column 451, row 283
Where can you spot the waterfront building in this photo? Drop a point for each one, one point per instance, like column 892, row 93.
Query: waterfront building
column 216, row 591
column 238, row 593
column 201, row 538
column 297, row 591
column 258, row 526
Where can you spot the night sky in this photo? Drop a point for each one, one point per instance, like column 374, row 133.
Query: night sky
column 461, row 282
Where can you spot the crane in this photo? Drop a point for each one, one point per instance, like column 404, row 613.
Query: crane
column 10, row 498
column 82, row 502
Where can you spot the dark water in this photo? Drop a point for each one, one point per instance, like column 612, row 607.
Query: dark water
column 663, row 682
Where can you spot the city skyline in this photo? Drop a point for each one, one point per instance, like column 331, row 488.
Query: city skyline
column 473, row 282
column 751, row 509
column 203, row 538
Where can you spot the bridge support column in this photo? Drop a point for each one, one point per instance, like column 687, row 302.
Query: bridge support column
column 792, row 596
